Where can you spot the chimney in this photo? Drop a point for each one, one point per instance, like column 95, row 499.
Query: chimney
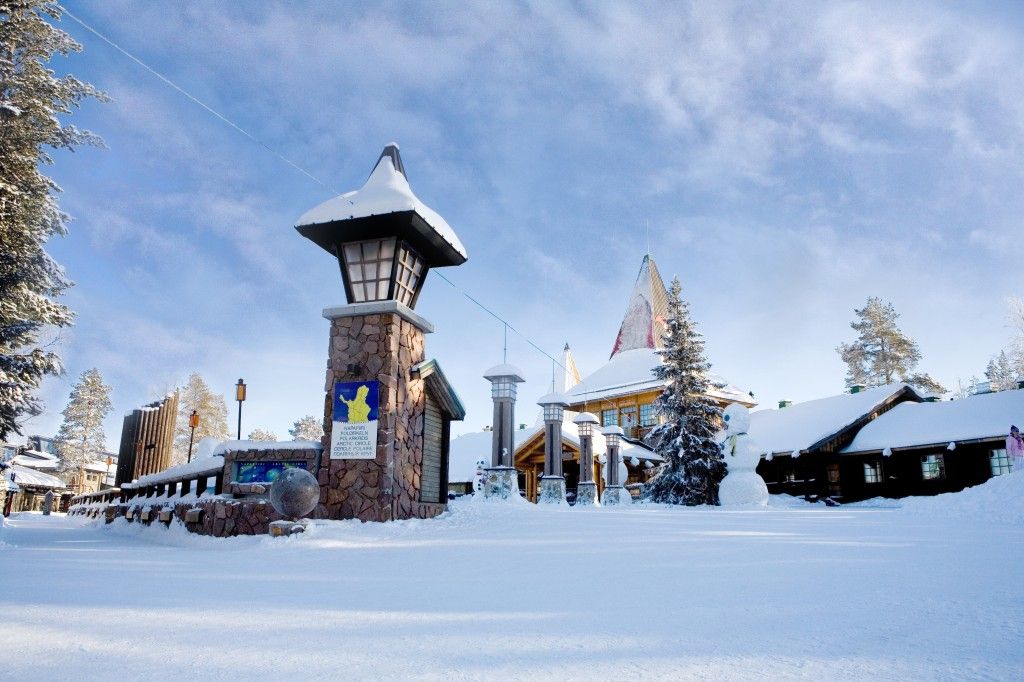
column 785, row 403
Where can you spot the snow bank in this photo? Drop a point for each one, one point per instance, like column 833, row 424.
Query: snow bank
column 998, row 500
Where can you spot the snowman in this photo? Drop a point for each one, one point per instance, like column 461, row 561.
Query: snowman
column 741, row 485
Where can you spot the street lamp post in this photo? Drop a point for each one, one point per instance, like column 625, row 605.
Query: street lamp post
column 586, row 489
column 502, row 481
column 240, row 397
column 614, row 493
column 552, row 483
column 193, row 422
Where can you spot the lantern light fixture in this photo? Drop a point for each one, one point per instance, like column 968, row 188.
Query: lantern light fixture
column 384, row 237
column 612, row 436
column 585, row 422
column 554, row 405
column 503, row 380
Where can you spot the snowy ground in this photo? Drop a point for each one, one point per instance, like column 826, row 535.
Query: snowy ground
column 485, row 593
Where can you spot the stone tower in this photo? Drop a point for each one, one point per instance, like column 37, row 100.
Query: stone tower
column 387, row 409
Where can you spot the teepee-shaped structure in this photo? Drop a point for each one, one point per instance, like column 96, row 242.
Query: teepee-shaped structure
column 644, row 323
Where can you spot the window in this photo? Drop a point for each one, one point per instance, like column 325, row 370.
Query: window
column 647, row 417
column 610, row 417
column 999, row 461
column 627, row 417
column 872, row 472
column 369, row 268
column 933, row 467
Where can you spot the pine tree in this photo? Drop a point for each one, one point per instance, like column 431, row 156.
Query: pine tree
column 213, row 416
column 694, row 463
column 1001, row 373
column 262, row 435
column 31, row 96
column 307, row 428
column 81, row 439
column 882, row 353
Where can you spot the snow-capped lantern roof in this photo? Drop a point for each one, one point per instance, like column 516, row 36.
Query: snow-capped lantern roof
column 505, row 370
column 585, row 418
column 554, row 398
column 384, row 206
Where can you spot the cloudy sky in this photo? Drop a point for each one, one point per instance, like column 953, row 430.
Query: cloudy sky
column 785, row 161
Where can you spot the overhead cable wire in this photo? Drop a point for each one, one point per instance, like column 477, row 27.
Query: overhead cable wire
column 197, row 101
column 253, row 138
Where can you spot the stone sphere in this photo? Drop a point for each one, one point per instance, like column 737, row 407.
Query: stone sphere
column 295, row 493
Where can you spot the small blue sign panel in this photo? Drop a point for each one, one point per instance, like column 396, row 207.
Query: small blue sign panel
column 263, row 472
column 356, row 401
column 354, row 420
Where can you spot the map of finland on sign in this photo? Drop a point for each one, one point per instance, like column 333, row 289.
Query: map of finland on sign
column 354, row 427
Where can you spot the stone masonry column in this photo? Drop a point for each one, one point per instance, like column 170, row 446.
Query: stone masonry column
column 380, row 341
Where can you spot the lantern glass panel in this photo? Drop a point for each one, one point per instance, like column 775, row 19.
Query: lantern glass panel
column 369, row 267
column 553, row 412
column 612, row 440
column 503, row 387
column 407, row 280
column 586, row 429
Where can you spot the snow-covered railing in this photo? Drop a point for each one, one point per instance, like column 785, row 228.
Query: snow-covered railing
column 202, row 477
column 91, row 504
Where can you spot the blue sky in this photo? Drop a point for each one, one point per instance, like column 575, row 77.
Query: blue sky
column 787, row 161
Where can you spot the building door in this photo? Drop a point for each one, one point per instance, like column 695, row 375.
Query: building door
column 835, row 488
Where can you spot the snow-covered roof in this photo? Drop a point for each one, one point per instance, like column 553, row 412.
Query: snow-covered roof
column 385, row 191
column 631, row 371
column 643, row 325
column 801, row 426
column 24, row 476
column 987, row 415
column 35, row 462
column 469, row 448
column 39, row 454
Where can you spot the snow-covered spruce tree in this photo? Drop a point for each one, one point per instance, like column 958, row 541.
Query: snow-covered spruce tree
column 1001, row 373
column 261, row 434
column 307, row 428
column 882, row 353
column 213, row 416
column 694, row 462
column 80, row 439
column 31, row 97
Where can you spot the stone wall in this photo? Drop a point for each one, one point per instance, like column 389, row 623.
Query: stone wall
column 384, row 347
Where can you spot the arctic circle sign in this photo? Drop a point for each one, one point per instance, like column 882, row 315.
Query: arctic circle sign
column 354, row 420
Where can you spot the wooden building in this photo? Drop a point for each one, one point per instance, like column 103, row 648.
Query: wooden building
column 639, row 460
column 146, row 439
column 889, row 441
column 622, row 392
